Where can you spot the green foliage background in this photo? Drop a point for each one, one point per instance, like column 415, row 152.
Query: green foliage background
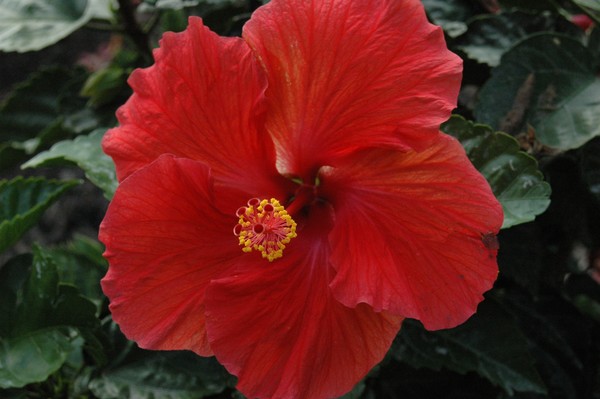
column 528, row 117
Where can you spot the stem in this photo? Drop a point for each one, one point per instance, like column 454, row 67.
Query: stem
column 132, row 28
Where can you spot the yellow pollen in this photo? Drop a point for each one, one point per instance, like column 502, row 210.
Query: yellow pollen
column 264, row 226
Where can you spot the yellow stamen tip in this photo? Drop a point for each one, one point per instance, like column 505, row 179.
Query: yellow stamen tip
column 266, row 227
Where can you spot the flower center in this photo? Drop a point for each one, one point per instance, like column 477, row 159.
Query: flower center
column 264, row 226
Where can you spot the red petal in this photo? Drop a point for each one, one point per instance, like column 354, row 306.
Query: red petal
column 201, row 100
column 279, row 329
column 346, row 73
column 165, row 241
column 410, row 231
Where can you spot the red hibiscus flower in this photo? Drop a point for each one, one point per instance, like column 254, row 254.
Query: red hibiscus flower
column 286, row 198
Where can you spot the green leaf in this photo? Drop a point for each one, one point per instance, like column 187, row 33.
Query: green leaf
column 105, row 85
column 34, row 104
column 491, row 35
column 591, row 4
column 171, row 4
column 39, row 291
column 81, row 264
column 547, row 81
column 12, row 275
column 512, row 174
column 32, row 357
column 22, row 202
column 166, row 375
column 451, row 15
column 591, row 7
column 34, row 115
column 85, row 152
column 489, row 344
column 35, row 24
column 39, row 338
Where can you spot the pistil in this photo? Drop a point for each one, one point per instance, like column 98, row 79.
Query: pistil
column 264, row 226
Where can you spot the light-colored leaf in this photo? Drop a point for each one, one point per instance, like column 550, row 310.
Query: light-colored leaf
column 32, row 357
column 512, row 174
column 451, row 15
column 85, row 152
column 29, row 25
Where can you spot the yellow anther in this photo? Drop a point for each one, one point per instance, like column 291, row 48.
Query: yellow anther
column 264, row 226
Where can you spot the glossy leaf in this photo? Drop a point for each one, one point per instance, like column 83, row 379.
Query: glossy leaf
column 167, row 375
column 592, row 4
column 548, row 81
column 35, row 24
column 451, row 15
column 489, row 344
column 85, row 152
column 37, row 340
column 592, row 7
column 513, row 175
column 32, row 357
column 22, row 202
column 171, row 4
column 491, row 35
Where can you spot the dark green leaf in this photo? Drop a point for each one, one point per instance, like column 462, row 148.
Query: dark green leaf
column 10, row 156
column 594, row 45
column 489, row 344
column 513, row 175
column 529, row 5
column 356, row 393
column 166, row 375
column 81, row 264
column 22, row 202
column 12, row 275
column 452, row 15
column 39, row 291
column 588, row 306
column 33, row 116
column 491, row 35
column 560, row 340
column 85, row 152
column 39, row 338
column 104, row 85
column 35, row 24
column 549, row 82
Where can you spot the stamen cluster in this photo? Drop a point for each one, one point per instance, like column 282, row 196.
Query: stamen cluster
column 264, row 226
